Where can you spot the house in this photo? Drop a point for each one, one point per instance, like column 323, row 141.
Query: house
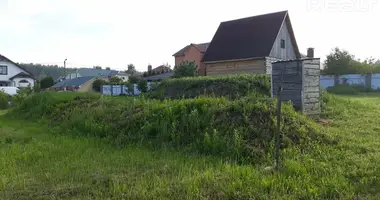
column 79, row 84
column 192, row 53
column 250, row 45
column 160, row 69
column 94, row 72
column 123, row 76
column 12, row 74
column 159, row 77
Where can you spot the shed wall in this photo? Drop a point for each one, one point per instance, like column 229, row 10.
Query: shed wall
column 236, row 67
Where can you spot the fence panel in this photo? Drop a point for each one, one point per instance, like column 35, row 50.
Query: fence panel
column 326, row 81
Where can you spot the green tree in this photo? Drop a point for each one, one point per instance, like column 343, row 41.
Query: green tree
column 133, row 79
column 98, row 83
column 131, row 69
column 115, row 80
column 185, row 69
column 340, row 62
column 142, row 85
column 47, row 82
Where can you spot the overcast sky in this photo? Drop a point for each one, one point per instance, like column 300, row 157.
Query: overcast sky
column 117, row 32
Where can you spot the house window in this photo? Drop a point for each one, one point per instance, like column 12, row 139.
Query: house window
column 24, row 81
column 3, row 70
column 282, row 44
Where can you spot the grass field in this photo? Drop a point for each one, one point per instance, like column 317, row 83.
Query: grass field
column 39, row 163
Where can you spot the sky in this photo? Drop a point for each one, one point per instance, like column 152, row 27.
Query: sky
column 115, row 33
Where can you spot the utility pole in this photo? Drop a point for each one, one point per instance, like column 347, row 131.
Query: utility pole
column 64, row 68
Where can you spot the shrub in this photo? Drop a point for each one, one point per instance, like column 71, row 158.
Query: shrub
column 98, row 83
column 348, row 89
column 22, row 95
column 142, row 85
column 185, row 69
column 47, row 82
column 115, row 80
column 4, row 100
column 133, row 79
column 241, row 129
column 231, row 86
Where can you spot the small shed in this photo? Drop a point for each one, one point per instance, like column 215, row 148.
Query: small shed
column 300, row 83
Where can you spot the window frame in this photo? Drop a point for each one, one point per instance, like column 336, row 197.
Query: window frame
column 6, row 70
column 282, row 44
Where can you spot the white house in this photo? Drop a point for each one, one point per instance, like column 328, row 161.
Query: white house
column 123, row 76
column 12, row 74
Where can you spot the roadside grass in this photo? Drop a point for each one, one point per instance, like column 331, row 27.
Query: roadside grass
column 38, row 163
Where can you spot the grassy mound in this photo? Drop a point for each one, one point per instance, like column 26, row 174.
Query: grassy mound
column 241, row 129
column 231, row 86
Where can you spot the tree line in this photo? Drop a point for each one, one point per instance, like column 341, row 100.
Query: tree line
column 340, row 62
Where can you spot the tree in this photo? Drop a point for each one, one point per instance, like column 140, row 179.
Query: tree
column 131, row 69
column 142, row 85
column 338, row 62
column 185, row 69
column 98, row 83
column 115, row 80
column 47, row 82
column 133, row 79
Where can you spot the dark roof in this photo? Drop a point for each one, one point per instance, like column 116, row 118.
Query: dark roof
column 159, row 76
column 3, row 58
column 96, row 72
column 21, row 74
column 245, row 38
column 201, row 47
column 73, row 82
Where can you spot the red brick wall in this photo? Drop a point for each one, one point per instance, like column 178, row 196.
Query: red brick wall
column 192, row 54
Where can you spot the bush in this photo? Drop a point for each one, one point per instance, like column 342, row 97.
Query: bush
column 22, row 95
column 115, row 80
column 142, row 85
column 241, row 129
column 98, row 83
column 47, row 82
column 185, row 69
column 133, row 79
column 4, row 100
column 231, row 86
column 348, row 89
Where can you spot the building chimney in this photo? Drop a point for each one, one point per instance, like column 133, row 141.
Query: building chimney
column 310, row 52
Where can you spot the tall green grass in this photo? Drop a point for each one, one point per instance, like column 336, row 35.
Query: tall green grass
column 40, row 163
column 242, row 129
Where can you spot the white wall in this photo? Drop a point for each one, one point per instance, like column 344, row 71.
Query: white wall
column 16, row 82
column 123, row 77
column 12, row 71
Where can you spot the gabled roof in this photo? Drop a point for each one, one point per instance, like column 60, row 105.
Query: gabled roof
column 3, row 58
column 246, row 38
column 201, row 47
column 159, row 76
column 21, row 75
column 73, row 82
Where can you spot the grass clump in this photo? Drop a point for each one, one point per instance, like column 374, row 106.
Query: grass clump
column 230, row 86
column 241, row 129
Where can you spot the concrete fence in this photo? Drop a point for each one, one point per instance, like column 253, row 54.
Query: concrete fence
column 117, row 90
column 367, row 80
